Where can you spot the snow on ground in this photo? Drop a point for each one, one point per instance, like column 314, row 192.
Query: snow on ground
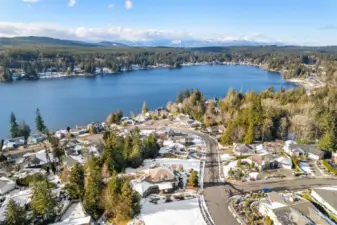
column 187, row 164
column 306, row 168
column 227, row 168
column 225, row 157
column 186, row 212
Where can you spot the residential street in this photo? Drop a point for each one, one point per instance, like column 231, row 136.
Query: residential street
column 218, row 192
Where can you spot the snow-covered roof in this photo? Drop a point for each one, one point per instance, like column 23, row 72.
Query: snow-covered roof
column 20, row 197
column 165, row 186
column 74, row 215
column 4, row 181
column 141, row 186
column 28, row 172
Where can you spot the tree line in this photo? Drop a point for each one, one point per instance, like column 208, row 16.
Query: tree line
column 267, row 115
column 22, row 129
column 36, row 60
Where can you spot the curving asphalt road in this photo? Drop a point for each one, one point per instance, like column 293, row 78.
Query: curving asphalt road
column 217, row 192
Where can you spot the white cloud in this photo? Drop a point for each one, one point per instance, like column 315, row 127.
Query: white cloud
column 113, row 33
column 111, row 6
column 128, row 4
column 31, row 1
column 71, row 3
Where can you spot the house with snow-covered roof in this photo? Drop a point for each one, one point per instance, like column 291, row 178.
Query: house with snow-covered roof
column 74, row 214
column 6, row 185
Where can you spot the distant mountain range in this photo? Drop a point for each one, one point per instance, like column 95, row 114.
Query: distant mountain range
column 47, row 41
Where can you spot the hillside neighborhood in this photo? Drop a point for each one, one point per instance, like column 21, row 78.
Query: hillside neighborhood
column 171, row 185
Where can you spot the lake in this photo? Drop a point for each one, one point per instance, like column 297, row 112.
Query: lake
column 79, row 100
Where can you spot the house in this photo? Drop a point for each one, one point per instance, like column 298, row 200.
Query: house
column 285, row 162
column 37, row 160
column 298, row 150
column 13, row 143
column 243, row 150
column 144, row 188
column 6, row 185
column 21, row 198
column 212, row 129
column 161, row 174
column 23, row 173
column 326, row 196
column 289, row 209
column 265, row 161
column 61, row 134
column 176, row 149
column 157, row 179
column 221, row 129
column 78, row 130
column 37, row 138
column 74, row 214
column 334, row 157
column 71, row 160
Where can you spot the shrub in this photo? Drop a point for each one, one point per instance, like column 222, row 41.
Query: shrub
column 329, row 167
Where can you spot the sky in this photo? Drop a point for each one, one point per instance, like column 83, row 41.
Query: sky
column 300, row 22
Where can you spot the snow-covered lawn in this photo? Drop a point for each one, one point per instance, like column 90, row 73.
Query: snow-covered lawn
column 225, row 157
column 185, row 212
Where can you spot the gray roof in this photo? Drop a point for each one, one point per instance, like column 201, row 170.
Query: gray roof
column 306, row 148
column 330, row 196
column 70, row 162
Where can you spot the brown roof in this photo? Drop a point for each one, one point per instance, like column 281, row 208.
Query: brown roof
column 161, row 174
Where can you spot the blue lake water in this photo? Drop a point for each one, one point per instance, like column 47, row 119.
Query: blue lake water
column 80, row 100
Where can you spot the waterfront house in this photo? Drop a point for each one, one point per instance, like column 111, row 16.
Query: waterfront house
column 13, row 143
column 37, row 138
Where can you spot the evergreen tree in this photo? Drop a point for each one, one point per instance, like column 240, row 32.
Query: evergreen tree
column 328, row 141
column 145, row 109
column 15, row 214
column 180, row 97
column 114, row 152
column 193, row 179
column 75, row 187
column 14, row 126
column 91, row 199
column 187, row 93
column 150, row 148
column 39, row 122
column 43, row 202
column 127, row 148
column 111, row 199
column 284, row 127
column 267, row 130
column 249, row 138
column 136, row 153
column 128, row 205
column 23, row 130
column 226, row 138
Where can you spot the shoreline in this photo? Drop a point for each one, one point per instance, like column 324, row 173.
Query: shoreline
column 57, row 75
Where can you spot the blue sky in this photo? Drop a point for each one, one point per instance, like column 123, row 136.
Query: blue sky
column 304, row 22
